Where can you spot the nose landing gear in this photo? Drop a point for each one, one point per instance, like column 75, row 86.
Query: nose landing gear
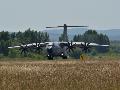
column 50, row 57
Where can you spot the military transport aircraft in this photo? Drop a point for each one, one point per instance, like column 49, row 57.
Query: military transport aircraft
column 55, row 49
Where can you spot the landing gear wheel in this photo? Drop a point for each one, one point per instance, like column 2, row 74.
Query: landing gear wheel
column 64, row 57
column 50, row 57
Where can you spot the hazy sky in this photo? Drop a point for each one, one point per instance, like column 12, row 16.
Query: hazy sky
column 18, row 15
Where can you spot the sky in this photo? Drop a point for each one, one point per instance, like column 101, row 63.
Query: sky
column 20, row 15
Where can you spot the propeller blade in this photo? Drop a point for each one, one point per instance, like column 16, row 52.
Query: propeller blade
column 89, row 50
column 69, row 50
column 71, row 43
column 72, row 50
column 88, row 44
column 85, row 44
column 22, row 52
column 82, row 44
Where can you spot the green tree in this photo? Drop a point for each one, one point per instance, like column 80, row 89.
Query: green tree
column 4, row 42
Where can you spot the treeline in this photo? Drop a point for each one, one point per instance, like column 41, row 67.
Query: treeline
column 4, row 42
column 93, row 37
column 32, row 36
column 29, row 36
column 18, row 38
column 115, row 46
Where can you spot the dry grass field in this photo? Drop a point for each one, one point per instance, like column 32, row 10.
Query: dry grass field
column 60, row 75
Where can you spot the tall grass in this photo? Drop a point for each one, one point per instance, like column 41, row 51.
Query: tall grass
column 60, row 75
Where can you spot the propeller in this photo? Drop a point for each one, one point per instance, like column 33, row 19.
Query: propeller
column 24, row 49
column 85, row 47
column 70, row 46
column 37, row 47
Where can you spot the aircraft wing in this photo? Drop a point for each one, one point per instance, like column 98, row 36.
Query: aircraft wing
column 28, row 45
column 77, row 44
column 20, row 46
column 90, row 44
column 14, row 47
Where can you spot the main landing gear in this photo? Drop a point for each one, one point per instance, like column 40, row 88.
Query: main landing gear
column 50, row 57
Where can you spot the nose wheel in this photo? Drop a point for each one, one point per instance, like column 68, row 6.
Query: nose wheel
column 63, row 56
column 50, row 57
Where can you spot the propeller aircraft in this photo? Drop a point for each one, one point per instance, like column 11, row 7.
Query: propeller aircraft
column 55, row 49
